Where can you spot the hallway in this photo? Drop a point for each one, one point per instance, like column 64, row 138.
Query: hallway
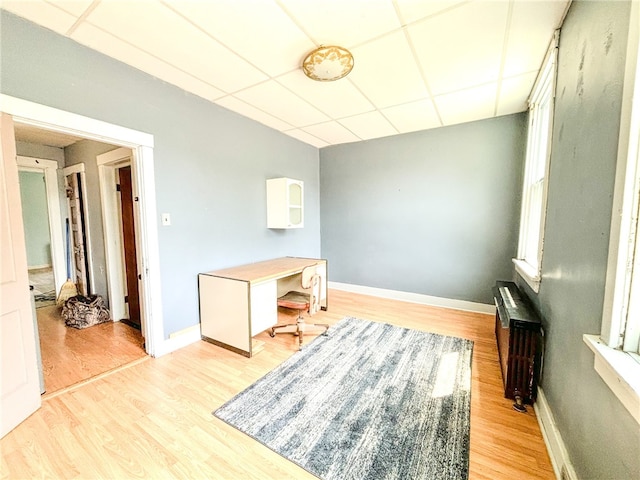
column 70, row 355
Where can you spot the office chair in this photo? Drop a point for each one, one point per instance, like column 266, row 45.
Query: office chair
column 302, row 301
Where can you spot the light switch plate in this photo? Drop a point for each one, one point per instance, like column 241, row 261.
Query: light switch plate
column 166, row 219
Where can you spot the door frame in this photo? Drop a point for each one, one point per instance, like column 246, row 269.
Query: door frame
column 108, row 164
column 50, row 170
column 79, row 168
column 141, row 145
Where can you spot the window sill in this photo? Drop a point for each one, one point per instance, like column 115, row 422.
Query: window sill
column 619, row 371
column 528, row 273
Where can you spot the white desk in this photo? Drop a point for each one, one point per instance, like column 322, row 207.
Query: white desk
column 240, row 302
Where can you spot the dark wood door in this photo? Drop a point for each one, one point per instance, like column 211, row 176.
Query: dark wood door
column 129, row 240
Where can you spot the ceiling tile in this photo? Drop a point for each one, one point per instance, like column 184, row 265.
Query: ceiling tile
column 344, row 23
column 245, row 55
column 307, row 138
column 159, row 31
column 243, row 108
column 331, row 132
column 74, row 7
column 93, row 37
column 274, row 98
column 529, row 34
column 385, row 71
column 412, row 10
column 369, row 125
column 413, row 116
column 41, row 13
column 281, row 45
column 467, row 105
column 337, row 99
column 462, row 47
column 514, row 93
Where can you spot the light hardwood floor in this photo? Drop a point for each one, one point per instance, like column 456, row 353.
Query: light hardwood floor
column 71, row 355
column 153, row 419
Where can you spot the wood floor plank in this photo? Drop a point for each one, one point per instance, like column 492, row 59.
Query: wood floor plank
column 71, row 355
column 154, row 418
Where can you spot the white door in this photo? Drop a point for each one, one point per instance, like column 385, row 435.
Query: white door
column 19, row 381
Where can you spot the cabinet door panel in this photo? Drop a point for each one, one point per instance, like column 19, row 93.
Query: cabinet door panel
column 285, row 203
column 264, row 306
column 224, row 311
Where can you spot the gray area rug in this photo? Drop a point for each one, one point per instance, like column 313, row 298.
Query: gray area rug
column 368, row 401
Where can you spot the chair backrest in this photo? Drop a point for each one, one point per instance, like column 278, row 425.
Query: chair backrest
column 307, row 276
column 311, row 281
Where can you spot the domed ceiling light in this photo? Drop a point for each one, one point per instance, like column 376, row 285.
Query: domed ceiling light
column 328, row 63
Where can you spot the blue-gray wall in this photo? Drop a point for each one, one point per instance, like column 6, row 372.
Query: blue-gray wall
column 36, row 218
column 433, row 212
column 602, row 438
column 210, row 164
column 26, row 149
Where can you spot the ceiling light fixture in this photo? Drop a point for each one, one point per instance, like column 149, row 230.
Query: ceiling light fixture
column 328, row 63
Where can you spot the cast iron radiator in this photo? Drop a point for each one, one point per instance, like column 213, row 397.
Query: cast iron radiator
column 518, row 334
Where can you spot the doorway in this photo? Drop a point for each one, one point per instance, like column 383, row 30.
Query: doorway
column 35, row 218
column 140, row 146
column 68, row 356
column 78, row 229
column 45, row 244
column 16, row 111
column 118, row 199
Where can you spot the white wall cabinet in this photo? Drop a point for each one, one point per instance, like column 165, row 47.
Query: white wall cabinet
column 285, row 203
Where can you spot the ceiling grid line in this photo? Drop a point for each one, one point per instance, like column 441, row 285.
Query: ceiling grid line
column 505, row 44
column 88, row 22
column 208, row 34
column 418, row 65
column 82, row 17
column 296, row 22
column 422, row 73
column 253, row 106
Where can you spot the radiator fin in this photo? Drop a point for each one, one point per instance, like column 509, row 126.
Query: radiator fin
column 522, row 351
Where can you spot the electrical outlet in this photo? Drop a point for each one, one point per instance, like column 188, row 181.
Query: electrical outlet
column 166, row 219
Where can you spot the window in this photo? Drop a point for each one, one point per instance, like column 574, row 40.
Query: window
column 631, row 333
column 623, row 331
column 617, row 348
column 621, row 314
column 534, row 192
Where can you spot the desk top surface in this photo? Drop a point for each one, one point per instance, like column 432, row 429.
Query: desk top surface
column 266, row 270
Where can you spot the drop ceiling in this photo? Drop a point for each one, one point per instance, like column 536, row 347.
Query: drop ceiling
column 419, row 64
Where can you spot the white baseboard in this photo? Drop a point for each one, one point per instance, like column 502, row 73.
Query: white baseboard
column 178, row 341
column 192, row 334
column 39, row 267
column 415, row 298
column 555, row 445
